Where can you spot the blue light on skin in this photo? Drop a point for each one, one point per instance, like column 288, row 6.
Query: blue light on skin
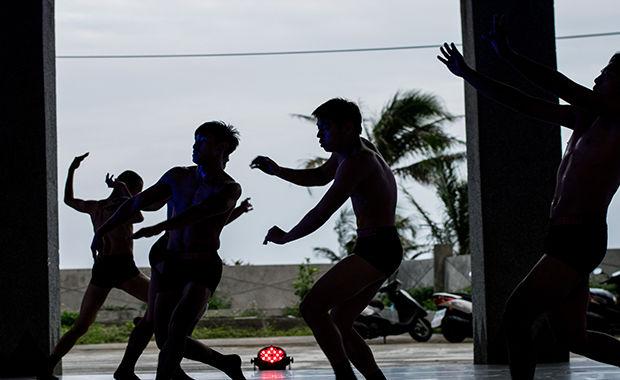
column 203, row 148
column 325, row 135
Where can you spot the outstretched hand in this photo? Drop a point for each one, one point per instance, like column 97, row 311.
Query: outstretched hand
column 275, row 235
column 246, row 206
column 497, row 37
column 265, row 164
column 453, row 59
column 78, row 160
column 112, row 182
column 148, row 232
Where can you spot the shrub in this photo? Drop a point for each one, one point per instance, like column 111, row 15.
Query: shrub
column 68, row 318
column 305, row 279
column 219, row 303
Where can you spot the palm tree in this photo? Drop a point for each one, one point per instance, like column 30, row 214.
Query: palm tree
column 410, row 135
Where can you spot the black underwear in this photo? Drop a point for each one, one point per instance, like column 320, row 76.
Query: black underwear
column 176, row 271
column 581, row 246
column 111, row 271
column 381, row 249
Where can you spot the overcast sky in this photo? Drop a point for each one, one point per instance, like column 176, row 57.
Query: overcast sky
column 140, row 114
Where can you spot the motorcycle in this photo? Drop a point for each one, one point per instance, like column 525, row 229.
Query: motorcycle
column 603, row 312
column 454, row 316
column 371, row 323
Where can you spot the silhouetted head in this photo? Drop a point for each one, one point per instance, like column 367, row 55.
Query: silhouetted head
column 214, row 140
column 132, row 180
column 608, row 82
column 339, row 122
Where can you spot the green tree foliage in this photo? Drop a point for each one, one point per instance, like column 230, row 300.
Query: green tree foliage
column 305, row 278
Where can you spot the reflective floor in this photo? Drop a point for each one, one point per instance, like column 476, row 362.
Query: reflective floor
column 582, row 369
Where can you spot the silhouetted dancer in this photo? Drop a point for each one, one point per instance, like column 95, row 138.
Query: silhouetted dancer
column 201, row 199
column 361, row 174
column 143, row 331
column 587, row 179
column 114, row 266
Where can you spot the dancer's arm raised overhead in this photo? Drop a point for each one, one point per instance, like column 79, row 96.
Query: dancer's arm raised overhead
column 70, row 200
column 215, row 204
column 319, row 176
column 545, row 77
column 507, row 95
column 350, row 172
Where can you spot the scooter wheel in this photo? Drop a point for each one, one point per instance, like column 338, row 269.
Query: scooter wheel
column 421, row 330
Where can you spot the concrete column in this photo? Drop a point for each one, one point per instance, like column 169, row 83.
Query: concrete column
column 29, row 296
column 512, row 163
column 440, row 252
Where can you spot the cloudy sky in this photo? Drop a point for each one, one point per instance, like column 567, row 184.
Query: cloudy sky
column 140, row 114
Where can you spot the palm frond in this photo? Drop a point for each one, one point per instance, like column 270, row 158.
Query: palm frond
column 326, row 253
column 308, row 118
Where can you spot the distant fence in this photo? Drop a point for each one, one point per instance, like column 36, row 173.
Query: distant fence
column 269, row 288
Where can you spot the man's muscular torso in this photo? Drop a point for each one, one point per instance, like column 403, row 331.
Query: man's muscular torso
column 589, row 173
column 190, row 189
column 374, row 198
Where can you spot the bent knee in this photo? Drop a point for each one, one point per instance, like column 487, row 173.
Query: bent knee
column 341, row 320
column 310, row 309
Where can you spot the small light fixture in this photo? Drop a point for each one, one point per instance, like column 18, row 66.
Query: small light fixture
column 271, row 357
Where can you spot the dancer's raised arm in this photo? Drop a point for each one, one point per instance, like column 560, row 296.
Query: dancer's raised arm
column 545, row 77
column 69, row 199
column 502, row 93
column 319, row 176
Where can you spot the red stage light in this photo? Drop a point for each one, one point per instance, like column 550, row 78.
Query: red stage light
column 271, row 357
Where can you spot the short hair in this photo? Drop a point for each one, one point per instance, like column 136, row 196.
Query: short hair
column 221, row 131
column 614, row 63
column 339, row 110
column 132, row 180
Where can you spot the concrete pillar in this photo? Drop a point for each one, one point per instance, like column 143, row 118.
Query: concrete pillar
column 29, row 295
column 440, row 252
column 512, row 163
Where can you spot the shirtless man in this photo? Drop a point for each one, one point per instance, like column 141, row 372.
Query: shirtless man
column 361, row 174
column 201, row 199
column 587, row 179
column 143, row 331
column 114, row 266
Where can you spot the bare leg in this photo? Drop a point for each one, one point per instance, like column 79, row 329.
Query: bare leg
column 547, row 285
column 140, row 336
column 592, row 344
column 94, row 297
column 356, row 348
column 345, row 280
column 186, row 313
column 137, row 286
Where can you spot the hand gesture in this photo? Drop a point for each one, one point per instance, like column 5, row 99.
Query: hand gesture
column 77, row 161
column 246, row 206
column 111, row 182
column 265, row 164
column 453, row 59
column 147, row 232
column 96, row 246
column 497, row 37
column 275, row 235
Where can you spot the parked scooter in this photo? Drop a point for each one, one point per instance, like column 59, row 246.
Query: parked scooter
column 454, row 316
column 603, row 310
column 411, row 316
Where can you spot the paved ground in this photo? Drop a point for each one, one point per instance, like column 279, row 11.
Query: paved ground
column 401, row 358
